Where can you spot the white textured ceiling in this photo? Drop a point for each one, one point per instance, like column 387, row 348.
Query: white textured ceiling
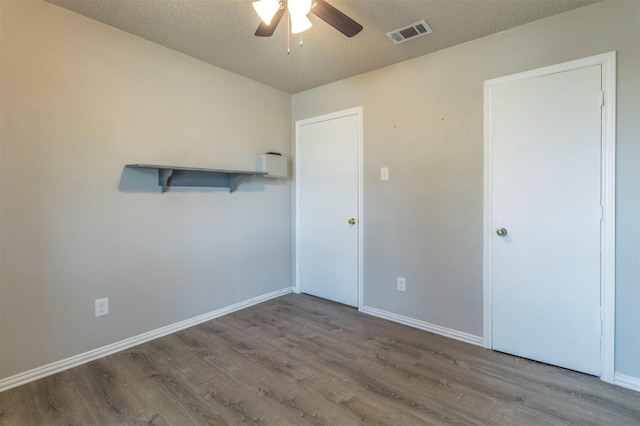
column 220, row 32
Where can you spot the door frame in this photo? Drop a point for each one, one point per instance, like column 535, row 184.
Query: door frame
column 358, row 112
column 607, row 182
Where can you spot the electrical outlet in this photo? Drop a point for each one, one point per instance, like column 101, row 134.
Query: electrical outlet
column 102, row 307
column 402, row 284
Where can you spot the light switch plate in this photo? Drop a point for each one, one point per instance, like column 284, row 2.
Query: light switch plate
column 384, row 173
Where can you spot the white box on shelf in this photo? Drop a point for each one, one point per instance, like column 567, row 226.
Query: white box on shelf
column 274, row 164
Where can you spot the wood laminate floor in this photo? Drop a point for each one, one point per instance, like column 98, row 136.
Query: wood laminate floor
column 299, row 360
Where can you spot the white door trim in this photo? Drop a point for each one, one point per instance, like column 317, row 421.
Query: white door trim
column 607, row 249
column 357, row 111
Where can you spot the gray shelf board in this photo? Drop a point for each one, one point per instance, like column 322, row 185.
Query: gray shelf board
column 194, row 176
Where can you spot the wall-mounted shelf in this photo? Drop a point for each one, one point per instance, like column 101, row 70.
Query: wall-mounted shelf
column 191, row 176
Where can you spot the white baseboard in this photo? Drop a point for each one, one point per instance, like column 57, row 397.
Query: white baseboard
column 422, row 325
column 76, row 360
column 621, row 380
column 628, row 382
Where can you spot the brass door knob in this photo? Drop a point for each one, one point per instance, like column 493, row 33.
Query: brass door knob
column 352, row 221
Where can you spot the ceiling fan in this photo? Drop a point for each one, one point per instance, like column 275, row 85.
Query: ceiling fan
column 272, row 11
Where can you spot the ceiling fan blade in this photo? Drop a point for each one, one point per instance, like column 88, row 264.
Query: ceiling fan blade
column 265, row 30
column 336, row 19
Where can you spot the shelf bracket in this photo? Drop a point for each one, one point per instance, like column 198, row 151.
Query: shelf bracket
column 163, row 178
column 233, row 181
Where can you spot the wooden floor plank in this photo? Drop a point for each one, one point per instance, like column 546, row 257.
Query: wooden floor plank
column 300, row 360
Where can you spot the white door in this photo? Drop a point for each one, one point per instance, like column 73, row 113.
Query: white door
column 545, row 183
column 327, row 186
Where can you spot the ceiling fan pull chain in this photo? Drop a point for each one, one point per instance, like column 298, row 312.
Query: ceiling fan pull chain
column 288, row 33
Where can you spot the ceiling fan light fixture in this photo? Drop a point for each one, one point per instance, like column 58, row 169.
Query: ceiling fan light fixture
column 298, row 9
column 266, row 9
column 299, row 23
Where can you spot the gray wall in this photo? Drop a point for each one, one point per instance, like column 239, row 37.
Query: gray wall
column 424, row 120
column 79, row 101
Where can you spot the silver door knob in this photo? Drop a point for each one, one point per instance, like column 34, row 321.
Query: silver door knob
column 501, row 232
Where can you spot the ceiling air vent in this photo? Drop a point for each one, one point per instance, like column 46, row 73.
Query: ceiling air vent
column 409, row 32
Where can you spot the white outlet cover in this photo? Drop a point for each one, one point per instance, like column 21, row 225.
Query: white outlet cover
column 102, row 307
column 402, row 284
